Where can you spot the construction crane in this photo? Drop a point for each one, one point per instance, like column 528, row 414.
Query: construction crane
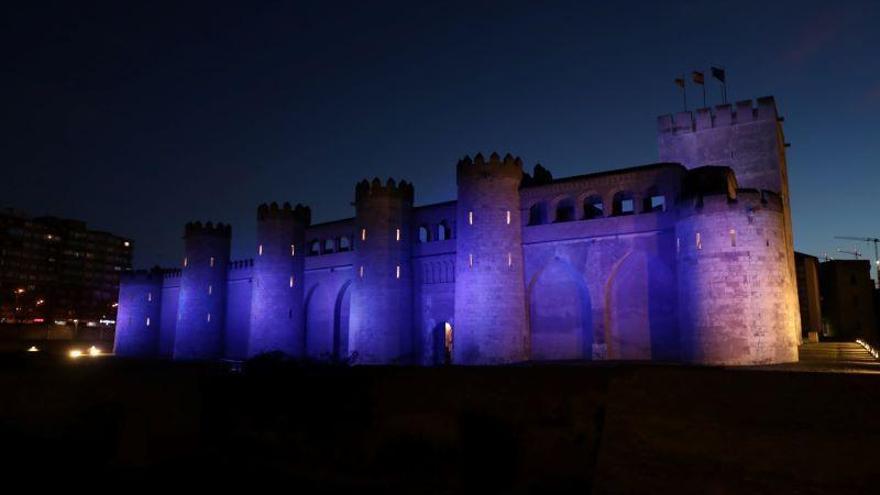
column 855, row 253
column 870, row 240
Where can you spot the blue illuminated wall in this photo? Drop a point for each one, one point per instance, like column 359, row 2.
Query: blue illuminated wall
column 670, row 261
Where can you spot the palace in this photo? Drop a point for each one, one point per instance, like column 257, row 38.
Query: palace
column 689, row 259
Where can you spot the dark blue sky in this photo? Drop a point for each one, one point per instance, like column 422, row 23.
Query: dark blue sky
column 140, row 118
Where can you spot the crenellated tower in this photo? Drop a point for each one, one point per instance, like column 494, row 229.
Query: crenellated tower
column 491, row 324
column 277, row 318
column 202, row 303
column 381, row 298
column 748, row 138
column 735, row 290
column 139, row 315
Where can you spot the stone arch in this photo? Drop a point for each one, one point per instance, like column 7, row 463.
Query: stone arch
column 341, row 313
column 563, row 209
column 537, row 213
column 560, row 313
column 319, row 323
column 623, row 203
column 640, row 320
column 591, row 205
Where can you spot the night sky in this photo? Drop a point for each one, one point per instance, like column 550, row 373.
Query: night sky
column 137, row 119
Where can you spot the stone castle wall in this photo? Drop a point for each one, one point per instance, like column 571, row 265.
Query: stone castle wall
column 599, row 266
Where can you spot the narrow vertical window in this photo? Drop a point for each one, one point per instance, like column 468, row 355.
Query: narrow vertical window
column 185, row 262
column 508, row 217
column 260, row 250
column 363, row 234
column 470, row 218
column 148, row 321
column 732, row 238
column 209, row 317
column 397, row 271
column 210, row 289
column 699, row 241
column 361, row 271
column 509, row 260
column 149, row 297
column 291, row 280
column 293, row 250
column 212, row 261
column 470, row 260
column 678, row 244
column 397, row 235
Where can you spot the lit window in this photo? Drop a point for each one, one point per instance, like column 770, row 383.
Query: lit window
column 699, row 241
column 732, row 238
column 508, row 217
column 678, row 244
column 291, row 280
column 292, row 250
column 185, row 262
column 260, row 250
column 470, row 218
column 397, row 235
column 148, row 321
column 470, row 260
column 361, row 271
column 149, row 297
column 509, row 260
column 363, row 234
column 209, row 317
column 210, row 289
column 397, row 274
column 212, row 261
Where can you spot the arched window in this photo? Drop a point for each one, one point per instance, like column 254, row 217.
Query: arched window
column 344, row 243
column 624, row 204
column 565, row 210
column 536, row 214
column 315, row 248
column 654, row 201
column 593, row 208
column 443, row 231
column 330, row 245
column 424, row 234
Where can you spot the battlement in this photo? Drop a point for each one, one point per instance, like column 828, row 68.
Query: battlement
column 744, row 112
column 207, row 229
column 299, row 213
column 172, row 273
column 509, row 166
column 366, row 189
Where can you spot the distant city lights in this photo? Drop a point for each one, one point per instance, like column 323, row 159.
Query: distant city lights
column 75, row 353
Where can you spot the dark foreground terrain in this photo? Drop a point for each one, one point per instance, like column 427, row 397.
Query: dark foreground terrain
column 622, row 428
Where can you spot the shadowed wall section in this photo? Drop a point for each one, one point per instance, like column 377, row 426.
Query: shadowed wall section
column 560, row 314
column 641, row 321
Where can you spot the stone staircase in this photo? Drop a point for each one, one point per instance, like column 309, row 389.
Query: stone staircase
column 848, row 357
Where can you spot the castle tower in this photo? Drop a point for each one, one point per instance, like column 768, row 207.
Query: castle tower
column 491, row 325
column 746, row 137
column 139, row 313
column 201, row 308
column 735, row 289
column 277, row 313
column 381, row 299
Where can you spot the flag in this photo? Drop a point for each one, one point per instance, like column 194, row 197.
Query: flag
column 718, row 73
column 679, row 81
column 697, row 77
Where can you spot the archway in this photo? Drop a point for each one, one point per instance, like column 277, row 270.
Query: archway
column 443, row 340
column 341, row 314
column 560, row 314
column 640, row 301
